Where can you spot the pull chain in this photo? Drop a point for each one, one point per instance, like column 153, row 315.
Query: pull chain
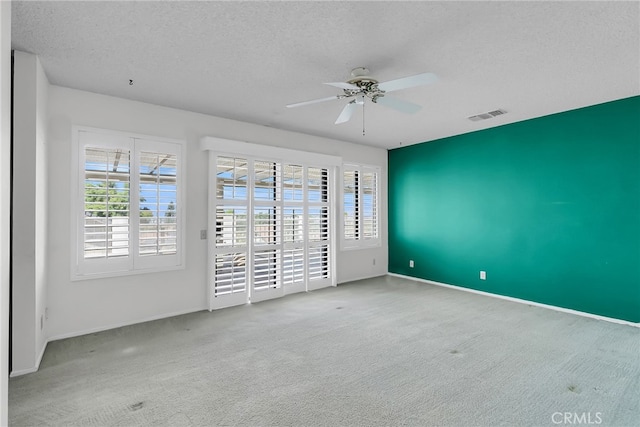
column 363, row 117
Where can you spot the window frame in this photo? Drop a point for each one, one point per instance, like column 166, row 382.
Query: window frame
column 133, row 263
column 360, row 242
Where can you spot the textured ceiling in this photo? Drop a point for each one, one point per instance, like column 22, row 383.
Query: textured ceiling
column 247, row 60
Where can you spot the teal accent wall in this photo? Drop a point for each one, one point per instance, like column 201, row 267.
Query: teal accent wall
column 548, row 207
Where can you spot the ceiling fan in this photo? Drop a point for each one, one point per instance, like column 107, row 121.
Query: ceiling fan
column 362, row 86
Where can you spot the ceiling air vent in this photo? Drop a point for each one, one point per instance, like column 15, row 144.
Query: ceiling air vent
column 485, row 116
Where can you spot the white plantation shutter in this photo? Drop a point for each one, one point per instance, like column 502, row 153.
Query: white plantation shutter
column 350, row 205
column 128, row 204
column 319, row 227
column 266, row 251
column 158, row 223
column 267, row 248
column 231, row 228
column 156, row 196
column 360, row 194
column 294, row 230
column 106, row 203
column 369, row 203
column 273, row 229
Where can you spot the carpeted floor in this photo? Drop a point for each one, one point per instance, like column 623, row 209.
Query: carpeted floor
column 384, row 351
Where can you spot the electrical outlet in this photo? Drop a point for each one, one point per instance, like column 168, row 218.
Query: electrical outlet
column 203, row 234
column 483, row 275
column 410, row 263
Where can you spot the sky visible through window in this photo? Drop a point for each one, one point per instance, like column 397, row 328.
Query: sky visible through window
column 154, row 197
column 160, row 196
column 240, row 192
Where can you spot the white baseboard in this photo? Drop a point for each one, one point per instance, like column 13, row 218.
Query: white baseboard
column 33, row 369
column 121, row 324
column 23, row 372
column 41, row 355
column 521, row 301
column 355, row 279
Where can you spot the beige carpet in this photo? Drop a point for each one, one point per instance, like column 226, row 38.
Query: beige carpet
column 384, row 351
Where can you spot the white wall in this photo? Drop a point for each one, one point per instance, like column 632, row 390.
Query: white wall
column 5, row 203
column 42, row 207
column 29, row 213
column 83, row 306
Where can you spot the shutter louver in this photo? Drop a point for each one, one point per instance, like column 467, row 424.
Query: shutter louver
column 293, row 224
column 318, row 262
column 231, row 226
column 230, row 273
column 292, row 183
column 264, row 181
column 266, row 270
column 318, row 185
column 293, row 265
column 231, row 181
column 265, row 226
column 318, row 224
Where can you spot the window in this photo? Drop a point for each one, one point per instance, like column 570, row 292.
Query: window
column 127, row 204
column 360, row 187
column 273, row 228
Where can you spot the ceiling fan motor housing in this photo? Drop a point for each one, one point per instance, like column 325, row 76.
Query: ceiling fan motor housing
column 366, row 85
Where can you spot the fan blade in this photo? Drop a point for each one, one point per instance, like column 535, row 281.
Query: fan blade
column 315, row 101
column 398, row 104
column 343, row 85
column 347, row 112
column 407, row 82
